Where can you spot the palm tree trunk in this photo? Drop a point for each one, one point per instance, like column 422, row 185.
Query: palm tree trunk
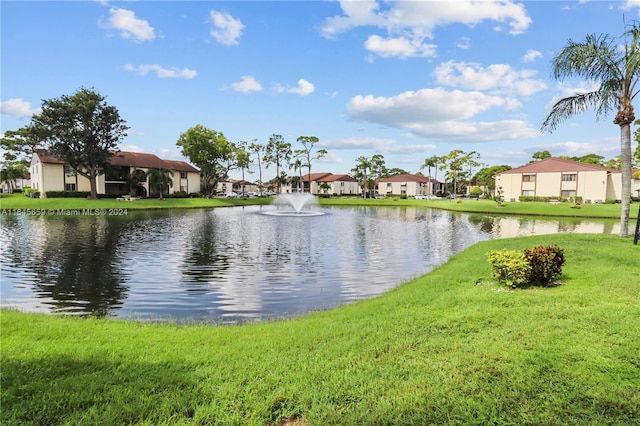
column 625, row 148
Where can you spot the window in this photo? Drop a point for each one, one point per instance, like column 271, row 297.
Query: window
column 69, row 186
column 568, row 193
column 183, row 175
column 569, row 177
column 528, row 178
column 183, row 188
column 528, row 193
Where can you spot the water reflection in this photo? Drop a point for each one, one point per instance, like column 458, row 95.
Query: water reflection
column 235, row 264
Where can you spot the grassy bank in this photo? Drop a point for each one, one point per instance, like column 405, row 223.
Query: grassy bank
column 603, row 211
column 11, row 202
column 20, row 202
column 450, row 347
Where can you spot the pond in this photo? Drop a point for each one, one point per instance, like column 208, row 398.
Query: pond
column 236, row 264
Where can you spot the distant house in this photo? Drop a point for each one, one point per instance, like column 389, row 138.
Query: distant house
column 325, row 183
column 225, row 186
column 48, row 173
column 20, row 183
column 410, row 185
column 557, row 177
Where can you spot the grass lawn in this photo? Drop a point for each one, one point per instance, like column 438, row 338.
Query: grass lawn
column 450, row 347
column 604, row 211
column 20, row 202
column 9, row 202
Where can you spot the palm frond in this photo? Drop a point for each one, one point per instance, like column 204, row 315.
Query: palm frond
column 572, row 105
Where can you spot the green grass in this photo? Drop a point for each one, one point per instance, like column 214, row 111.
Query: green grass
column 604, row 211
column 10, row 202
column 19, row 201
column 451, row 347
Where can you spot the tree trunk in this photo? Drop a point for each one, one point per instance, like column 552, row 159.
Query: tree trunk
column 92, row 184
column 625, row 150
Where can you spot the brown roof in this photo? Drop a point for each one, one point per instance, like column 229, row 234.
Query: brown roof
column 137, row 159
column 407, row 177
column 129, row 159
column 180, row 166
column 327, row 177
column 553, row 164
column 45, row 157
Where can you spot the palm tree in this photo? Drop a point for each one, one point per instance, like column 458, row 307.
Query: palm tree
column 617, row 68
column 429, row 163
column 133, row 180
column 159, row 179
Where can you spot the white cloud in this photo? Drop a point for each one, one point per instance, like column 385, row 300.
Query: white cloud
column 358, row 143
column 531, row 55
column 440, row 114
column 496, row 78
column 409, row 23
column 379, row 145
column 227, row 30
column 161, row 72
column 304, row 88
column 130, row 26
column 18, row 108
column 630, row 4
column 247, row 84
column 464, row 43
column 399, row 46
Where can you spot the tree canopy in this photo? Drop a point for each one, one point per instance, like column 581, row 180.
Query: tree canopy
column 208, row 150
column 81, row 129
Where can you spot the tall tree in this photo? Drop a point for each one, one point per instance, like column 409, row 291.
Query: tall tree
column 258, row 151
column 278, row 152
column 615, row 65
column 243, row 160
column 208, row 150
column 363, row 166
column 455, row 162
column 470, row 161
column 308, row 142
column 82, row 130
column 297, row 163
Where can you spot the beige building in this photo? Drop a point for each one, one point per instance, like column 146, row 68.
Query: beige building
column 48, row 173
column 325, row 184
column 556, row 177
column 410, row 185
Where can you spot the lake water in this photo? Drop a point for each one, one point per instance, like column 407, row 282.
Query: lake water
column 233, row 265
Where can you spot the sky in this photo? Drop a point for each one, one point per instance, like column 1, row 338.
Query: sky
column 407, row 80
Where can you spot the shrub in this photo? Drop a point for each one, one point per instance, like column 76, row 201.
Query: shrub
column 545, row 263
column 509, row 267
column 67, row 194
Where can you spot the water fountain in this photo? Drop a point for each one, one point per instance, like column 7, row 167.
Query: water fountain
column 296, row 204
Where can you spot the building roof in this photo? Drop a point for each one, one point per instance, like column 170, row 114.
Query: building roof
column 407, row 177
column 557, row 165
column 327, row 177
column 127, row 159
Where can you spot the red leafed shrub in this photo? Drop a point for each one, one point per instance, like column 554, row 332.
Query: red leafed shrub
column 546, row 264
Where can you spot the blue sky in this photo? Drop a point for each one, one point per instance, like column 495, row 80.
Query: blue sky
column 407, row 80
